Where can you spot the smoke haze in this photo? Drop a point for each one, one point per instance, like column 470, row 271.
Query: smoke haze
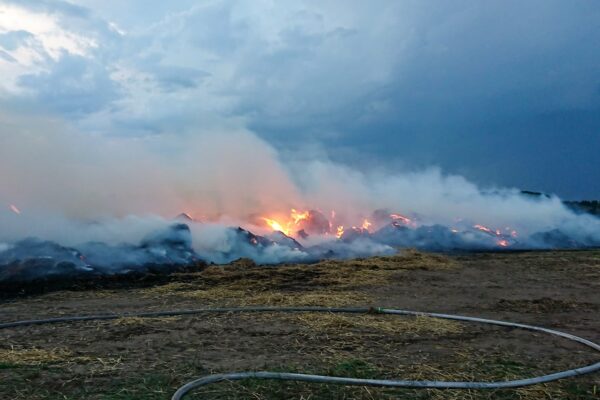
column 74, row 189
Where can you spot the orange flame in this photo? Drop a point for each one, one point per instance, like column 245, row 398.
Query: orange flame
column 299, row 216
column 276, row 226
column 14, row 209
column 287, row 226
column 366, row 224
column 502, row 242
column 340, row 231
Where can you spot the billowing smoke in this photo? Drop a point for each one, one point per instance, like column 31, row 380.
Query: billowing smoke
column 94, row 204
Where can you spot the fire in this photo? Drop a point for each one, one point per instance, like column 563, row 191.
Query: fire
column 288, row 226
column 299, row 216
column 401, row 218
column 496, row 232
column 484, row 229
column 14, row 209
column 502, row 237
column 366, row 224
column 276, row 226
column 303, row 223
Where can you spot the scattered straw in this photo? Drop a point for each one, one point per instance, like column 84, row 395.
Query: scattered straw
column 167, row 289
column 34, row 357
column 331, row 274
column 407, row 259
column 246, row 297
column 348, row 278
column 470, row 367
column 384, row 323
column 136, row 321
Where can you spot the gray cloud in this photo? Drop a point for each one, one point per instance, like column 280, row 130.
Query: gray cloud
column 73, row 86
column 14, row 39
column 7, row 57
column 504, row 92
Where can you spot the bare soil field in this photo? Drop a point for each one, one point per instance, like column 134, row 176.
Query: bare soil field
column 148, row 358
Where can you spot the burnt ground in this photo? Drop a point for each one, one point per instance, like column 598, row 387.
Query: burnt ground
column 134, row 358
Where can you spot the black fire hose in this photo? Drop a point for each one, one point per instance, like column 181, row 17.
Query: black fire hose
column 207, row 380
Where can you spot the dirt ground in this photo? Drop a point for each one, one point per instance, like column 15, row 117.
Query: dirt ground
column 135, row 358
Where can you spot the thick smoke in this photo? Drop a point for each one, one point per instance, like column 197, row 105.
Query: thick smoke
column 73, row 202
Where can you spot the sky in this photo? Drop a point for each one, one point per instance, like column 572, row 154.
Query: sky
column 504, row 93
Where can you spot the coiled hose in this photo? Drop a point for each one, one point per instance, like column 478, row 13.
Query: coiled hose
column 207, row 380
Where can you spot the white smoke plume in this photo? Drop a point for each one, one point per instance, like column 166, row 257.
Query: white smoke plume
column 73, row 188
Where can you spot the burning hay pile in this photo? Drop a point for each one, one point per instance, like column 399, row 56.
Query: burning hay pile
column 302, row 236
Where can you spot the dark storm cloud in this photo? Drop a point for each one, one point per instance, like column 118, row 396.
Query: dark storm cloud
column 504, row 93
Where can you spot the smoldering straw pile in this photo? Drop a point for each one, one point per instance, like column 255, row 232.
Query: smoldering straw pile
column 74, row 203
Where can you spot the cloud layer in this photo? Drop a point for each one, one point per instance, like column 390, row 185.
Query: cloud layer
column 504, row 93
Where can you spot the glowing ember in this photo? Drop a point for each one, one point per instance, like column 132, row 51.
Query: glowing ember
column 401, row 218
column 14, row 209
column 502, row 241
column 484, row 229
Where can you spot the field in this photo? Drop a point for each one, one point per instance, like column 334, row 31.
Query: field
column 135, row 358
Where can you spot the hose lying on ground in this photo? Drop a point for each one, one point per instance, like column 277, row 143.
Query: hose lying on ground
column 206, row 380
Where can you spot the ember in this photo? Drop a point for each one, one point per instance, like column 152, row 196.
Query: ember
column 402, row 219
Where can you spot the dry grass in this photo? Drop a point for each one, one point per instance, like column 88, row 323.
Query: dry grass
column 158, row 355
column 168, row 289
column 245, row 279
column 406, row 260
column 142, row 321
column 384, row 323
column 341, row 277
column 471, row 367
column 466, row 367
column 272, row 298
column 543, row 305
column 37, row 357
column 34, row 357
column 376, row 271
